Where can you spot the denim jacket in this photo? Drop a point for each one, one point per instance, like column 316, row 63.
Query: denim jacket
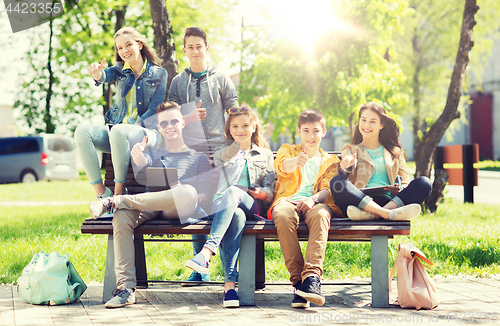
column 260, row 170
column 151, row 88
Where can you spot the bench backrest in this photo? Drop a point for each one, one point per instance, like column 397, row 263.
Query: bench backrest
column 134, row 187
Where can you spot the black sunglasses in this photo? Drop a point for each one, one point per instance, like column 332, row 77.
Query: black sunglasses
column 164, row 124
column 243, row 109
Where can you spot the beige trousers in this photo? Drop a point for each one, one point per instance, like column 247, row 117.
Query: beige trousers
column 133, row 210
column 286, row 219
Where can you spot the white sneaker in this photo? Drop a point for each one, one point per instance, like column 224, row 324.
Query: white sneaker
column 405, row 213
column 357, row 214
column 101, row 207
column 107, row 193
column 121, row 298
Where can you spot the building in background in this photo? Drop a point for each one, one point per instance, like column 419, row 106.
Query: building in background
column 483, row 115
column 7, row 128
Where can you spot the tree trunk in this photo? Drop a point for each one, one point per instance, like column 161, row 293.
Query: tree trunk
column 440, row 180
column 47, row 118
column 120, row 17
column 352, row 125
column 426, row 148
column 106, row 87
column 417, row 122
column 164, row 40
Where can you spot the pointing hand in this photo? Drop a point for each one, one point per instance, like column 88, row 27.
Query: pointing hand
column 95, row 69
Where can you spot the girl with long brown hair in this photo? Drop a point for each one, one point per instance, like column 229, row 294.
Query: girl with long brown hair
column 374, row 181
column 141, row 85
column 245, row 190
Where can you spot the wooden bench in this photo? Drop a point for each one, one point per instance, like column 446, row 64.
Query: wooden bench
column 251, row 261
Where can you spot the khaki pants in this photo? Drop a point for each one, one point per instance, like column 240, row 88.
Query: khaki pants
column 286, row 219
column 133, row 210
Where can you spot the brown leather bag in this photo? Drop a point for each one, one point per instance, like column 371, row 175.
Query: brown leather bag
column 415, row 288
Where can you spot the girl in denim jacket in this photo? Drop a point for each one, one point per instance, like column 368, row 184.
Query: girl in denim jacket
column 141, row 85
column 245, row 190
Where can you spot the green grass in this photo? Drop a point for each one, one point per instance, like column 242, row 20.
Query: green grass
column 459, row 239
column 488, row 165
column 483, row 165
column 72, row 190
column 25, row 231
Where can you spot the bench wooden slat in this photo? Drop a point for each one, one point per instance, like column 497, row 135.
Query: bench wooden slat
column 338, row 227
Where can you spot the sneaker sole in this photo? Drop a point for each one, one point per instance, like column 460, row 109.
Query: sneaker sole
column 300, row 305
column 356, row 215
column 191, row 283
column 231, row 304
column 194, row 266
column 311, row 297
column 118, row 305
column 408, row 217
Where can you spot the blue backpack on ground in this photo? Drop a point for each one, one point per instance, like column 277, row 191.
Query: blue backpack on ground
column 50, row 280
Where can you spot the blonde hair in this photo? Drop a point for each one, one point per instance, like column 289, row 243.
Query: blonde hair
column 146, row 51
column 257, row 139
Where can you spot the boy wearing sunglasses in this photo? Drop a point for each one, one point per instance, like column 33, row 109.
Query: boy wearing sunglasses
column 211, row 92
column 180, row 202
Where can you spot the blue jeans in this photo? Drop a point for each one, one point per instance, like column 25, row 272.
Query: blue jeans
column 230, row 213
column 118, row 141
column 344, row 193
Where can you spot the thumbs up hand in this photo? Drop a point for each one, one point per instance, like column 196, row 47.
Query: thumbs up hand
column 303, row 157
column 138, row 149
column 230, row 151
column 198, row 114
column 95, row 69
column 202, row 112
column 349, row 162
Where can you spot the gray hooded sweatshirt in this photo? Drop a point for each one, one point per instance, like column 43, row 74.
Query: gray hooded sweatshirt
column 217, row 94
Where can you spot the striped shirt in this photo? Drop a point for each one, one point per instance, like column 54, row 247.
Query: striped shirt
column 192, row 167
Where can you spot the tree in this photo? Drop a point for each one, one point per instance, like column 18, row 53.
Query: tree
column 426, row 52
column 164, row 41
column 343, row 70
column 425, row 149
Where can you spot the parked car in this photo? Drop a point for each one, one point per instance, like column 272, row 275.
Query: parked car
column 34, row 158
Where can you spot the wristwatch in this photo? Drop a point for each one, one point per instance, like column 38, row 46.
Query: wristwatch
column 316, row 200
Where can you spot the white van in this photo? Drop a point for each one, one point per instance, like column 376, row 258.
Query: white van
column 32, row 158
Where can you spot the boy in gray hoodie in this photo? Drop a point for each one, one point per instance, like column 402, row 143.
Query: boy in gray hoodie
column 205, row 95
column 211, row 92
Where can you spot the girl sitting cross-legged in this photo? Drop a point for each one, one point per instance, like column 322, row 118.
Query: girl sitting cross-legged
column 375, row 159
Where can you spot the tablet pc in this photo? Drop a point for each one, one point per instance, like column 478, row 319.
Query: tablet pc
column 159, row 179
column 374, row 190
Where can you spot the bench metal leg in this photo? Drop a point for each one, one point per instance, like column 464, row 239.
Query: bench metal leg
column 109, row 272
column 141, row 273
column 260, row 265
column 246, row 281
column 380, row 271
